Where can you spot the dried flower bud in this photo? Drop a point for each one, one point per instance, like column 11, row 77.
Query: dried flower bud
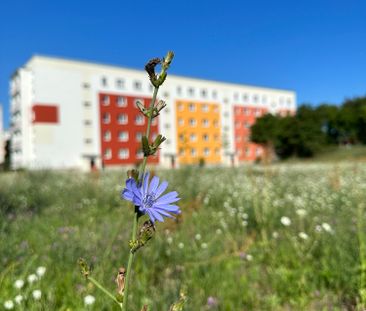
column 141, row 107
column 168, row 60
column 145, row 234
column 144, row 308
column 120, row 280
column 150, row 69
column 85, row 270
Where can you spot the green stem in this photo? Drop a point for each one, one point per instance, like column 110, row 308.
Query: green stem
column 104, row 290
column 136, row 216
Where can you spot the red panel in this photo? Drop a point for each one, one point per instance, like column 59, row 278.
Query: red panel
column 45, row 113
column 244, row 118
column 132, row 144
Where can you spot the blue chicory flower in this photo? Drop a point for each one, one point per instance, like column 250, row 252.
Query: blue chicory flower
column 149, row 200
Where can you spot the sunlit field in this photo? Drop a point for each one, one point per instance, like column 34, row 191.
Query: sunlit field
column 285, row 237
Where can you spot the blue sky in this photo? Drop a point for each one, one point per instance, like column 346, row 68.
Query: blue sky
column 317, row 48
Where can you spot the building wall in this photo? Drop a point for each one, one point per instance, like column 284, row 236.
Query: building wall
column 198, row 132
column 75, row 139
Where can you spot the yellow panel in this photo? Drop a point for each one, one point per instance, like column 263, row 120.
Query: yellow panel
column 198, row 132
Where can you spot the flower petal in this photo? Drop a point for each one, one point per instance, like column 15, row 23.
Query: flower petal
column 154, row 184
column 164, row 213
column 127, row 194
column 145, row 183
column 168, row 198
column 161, row 189
column 156, row 215
column 169, row 208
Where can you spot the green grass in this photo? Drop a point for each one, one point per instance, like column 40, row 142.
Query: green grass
column 228, row 244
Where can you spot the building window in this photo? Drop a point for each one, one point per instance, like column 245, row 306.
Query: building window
column 123, row 153
column 216, row 108
column 105, row 100
column 258, row 151
column 168, row 141
column 181, row 152
column 216, row 123
column 154, row 121
column 203, row 93
column 122, row 118
column 120, row 84
column 179, row 90
column 289, row 101
column 166, row 94
column 214, row 94
column 216, row 137
column 139, row 154
column 206, row 151
column 104, row 81
column 180, row 122
column 237, row 110
column 106, row 118
column 193, row 152
column 87, row 122
column 137, row 85
column 190, row 91
column 139, row 120
column 237, row 124
column 257, row 112
column 246, row 111
column 245, row 97
column 107, row 136
column 193, row 137
column 121, row 101
column 255, row 98
column 264, row 99
column 247, row 152
column 192, row 107
column 86, row 85
column 217, row 151
column 192, row 122
column 205, row 123
column 88, row 141
column 107, row 153
column 167, row 125
column 205, row 108
column 87, row 104
column 123, row 136
column 205, row 137
column 138, row 136
column 246, row 125
column 236, row 96
column 180, row 107
column 181, row 137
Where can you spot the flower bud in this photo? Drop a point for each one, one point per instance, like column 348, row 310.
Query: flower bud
column 85, row 269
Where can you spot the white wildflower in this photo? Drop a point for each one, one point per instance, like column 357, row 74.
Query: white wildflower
column 249, row 257
column 204, row 245
column 275, row 234
column 32, row 278
column 9, row 304
column 326, row 227
column 301, row 212
column 169, row 239
column 303, row 235
column 318, row 228
column 285, row 221
column 41, row 271
column 198, row 237
column 18, row 299
column 89, row 300
column 218, row 231
column 37, row 294
column 181, row 245
column 19, row 284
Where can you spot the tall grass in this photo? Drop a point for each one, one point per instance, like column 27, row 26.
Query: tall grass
column 229, row 249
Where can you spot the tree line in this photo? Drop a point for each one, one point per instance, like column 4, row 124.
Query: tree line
column 312, row 128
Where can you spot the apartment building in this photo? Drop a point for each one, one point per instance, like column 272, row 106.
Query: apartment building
column 76, row 114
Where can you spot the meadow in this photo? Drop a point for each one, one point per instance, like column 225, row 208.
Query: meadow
column 282, row 237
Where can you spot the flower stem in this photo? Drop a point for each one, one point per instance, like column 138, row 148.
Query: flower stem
column 104, row 290
column 136, row 216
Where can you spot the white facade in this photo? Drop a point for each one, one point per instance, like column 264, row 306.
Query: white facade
column 73, row 87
